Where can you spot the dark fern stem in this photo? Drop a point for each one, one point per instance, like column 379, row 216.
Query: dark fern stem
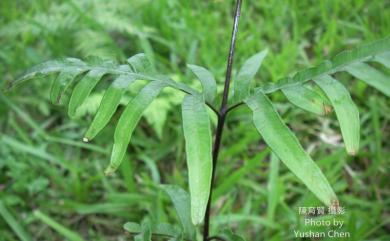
column 222, row 114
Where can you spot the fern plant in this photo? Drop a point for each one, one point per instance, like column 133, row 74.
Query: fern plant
column 312, row 89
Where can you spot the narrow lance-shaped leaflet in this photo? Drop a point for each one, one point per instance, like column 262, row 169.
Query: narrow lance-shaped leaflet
column 49, row 67
column 336, row 64
column 140, row 64
column 306, row 99
column 246, row 74
column 197, row 134
column 181, row 202
column 207, row 80
column 346, row 111
column 108, row 105
column 384, row 59
column 128, row 121
column 83, row 89
column 287, row 147
column 111, row 99
column 371, row 76
column 62, row 83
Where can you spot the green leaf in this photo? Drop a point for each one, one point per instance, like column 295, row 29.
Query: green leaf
column 132, row 227
column 255, row 219
column 197, row 134
column 74, row 65
column 145, row 234
column 148, row 49
column 13, row 223
column 273, row 187
column 62, row 83
column 140, row 63
column 246, row 74
column 287, row 147
column 371, row 76
column 108, row 105
column 346, row 111
column 128, row 121
column 64, row 231
column 207, row 80
column 83, row 89
column 336, row 64
column 178, row 238
column 89, row 106
column 165, row 229
column 181, row 201
column 229, row 182
column 306, row 99
column 228, row 235
column 384, row 59
column 51, row 67
column 161, row 229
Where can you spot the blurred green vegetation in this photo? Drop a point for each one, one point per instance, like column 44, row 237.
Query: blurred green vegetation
column 52, row 185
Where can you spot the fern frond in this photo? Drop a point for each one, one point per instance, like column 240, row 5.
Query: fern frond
column 363, row 53
column 350, row 61
column 72, row 64
column 80, row 78
column 283, row 142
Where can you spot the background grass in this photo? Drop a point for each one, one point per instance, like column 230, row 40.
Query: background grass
column 52, row 185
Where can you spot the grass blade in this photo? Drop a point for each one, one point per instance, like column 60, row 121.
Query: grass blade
column 346, row 111
column 230, row 181
column 11, row 221
column 161, row 231
column 181, row 201
column 33, row 151
column 287, row 147
column 197, row 134
column 227, row 234
column 227, row 219
column 64, row 231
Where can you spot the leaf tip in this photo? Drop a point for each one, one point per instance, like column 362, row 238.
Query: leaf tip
column 197, row 215
column 109, row 170
column 89, row 135
column 196, row 220
column 352, row 152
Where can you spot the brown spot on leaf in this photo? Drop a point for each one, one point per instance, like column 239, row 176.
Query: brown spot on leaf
column 327, row 109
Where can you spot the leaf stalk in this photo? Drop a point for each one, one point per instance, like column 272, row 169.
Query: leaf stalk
column 222, row 114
